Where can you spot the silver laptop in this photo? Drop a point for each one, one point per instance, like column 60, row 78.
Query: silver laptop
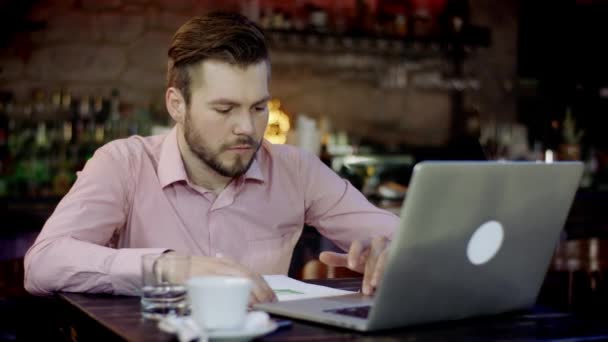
column 475, row 238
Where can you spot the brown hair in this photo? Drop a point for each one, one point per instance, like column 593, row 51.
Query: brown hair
column 226, row 37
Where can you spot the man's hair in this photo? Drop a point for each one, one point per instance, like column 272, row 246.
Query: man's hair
column 225, row 37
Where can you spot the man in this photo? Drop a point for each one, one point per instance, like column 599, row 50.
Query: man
column 212, row 188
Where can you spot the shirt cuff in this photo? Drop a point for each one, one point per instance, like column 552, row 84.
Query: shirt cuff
column 125, row 270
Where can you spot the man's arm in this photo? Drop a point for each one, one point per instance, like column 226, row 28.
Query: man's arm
column 341, row 213
column 338, row 210
column 72, row 253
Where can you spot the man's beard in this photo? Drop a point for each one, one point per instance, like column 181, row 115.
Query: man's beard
column 194, row 141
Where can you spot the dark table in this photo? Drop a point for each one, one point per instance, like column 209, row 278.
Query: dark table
column 105, row 317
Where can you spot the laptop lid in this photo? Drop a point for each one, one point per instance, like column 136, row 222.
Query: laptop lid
column 475, row 238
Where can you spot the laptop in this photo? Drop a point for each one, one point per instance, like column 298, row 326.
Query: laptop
column 475, row 238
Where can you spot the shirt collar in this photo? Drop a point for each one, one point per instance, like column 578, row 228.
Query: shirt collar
column 254, row 171
column 171, row 167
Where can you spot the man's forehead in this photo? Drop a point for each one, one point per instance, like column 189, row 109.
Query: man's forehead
column 203, row 73
column 212, row 80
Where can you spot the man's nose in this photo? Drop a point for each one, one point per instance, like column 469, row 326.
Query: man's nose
column 244, row 124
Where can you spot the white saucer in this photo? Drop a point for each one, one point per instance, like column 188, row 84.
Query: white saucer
column 191, row 331
column 241, row 334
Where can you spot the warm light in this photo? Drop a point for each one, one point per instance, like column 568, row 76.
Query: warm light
column 278, row 123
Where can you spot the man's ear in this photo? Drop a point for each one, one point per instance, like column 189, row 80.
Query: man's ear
column 176, row 104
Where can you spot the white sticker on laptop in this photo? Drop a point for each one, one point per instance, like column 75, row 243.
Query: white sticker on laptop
column 485, row 242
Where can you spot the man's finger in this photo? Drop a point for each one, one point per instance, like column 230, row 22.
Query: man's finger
column 354, row 254
column 378, row 245
column 368, row 273
column 379, row 270
column 334, row 259
column 269, row 295
column 261, row 291
column 256, row 292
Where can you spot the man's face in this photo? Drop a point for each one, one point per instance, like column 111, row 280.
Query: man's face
column 228, row 114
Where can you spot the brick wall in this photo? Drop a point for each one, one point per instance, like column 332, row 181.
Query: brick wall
column 92, row 46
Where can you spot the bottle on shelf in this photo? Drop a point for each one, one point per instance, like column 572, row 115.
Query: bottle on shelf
column 113, row 129
column 570, row 147
column 5, row 103
column 100, row 116
column 590, row 169
column 392, row 18
column 48, row 136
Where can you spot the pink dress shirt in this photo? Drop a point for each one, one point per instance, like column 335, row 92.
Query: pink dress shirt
column 134, row 197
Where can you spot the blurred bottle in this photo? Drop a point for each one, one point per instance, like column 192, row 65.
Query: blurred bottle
column 422, row 20
column 392, row 17
column 401, row 25
column 76, row 123
column 85, row 114
column 591, row 167
column 113, row 123
column 144, row 121
column 39, row 105
column 42, row 162
column 364, row 20
column 101, row 112
column 319, row 20
column 87, row 144
column 5, row 102
column 65, row 112
column 61, row 168
column 64, row 176
column 570, row 147
column 454, row 19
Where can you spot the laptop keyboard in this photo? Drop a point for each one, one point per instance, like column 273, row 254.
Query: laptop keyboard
column 357, row 311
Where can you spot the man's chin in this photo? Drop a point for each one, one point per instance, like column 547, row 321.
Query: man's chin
column 236, row 172
column 237, row 168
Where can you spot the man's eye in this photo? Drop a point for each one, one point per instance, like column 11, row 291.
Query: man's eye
column 260, row 109
column 222, row 110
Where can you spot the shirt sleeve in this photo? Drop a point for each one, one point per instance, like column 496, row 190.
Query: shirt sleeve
column 72, row 252
column 338, row 210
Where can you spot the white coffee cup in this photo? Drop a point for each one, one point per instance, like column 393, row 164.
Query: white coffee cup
column 219, row 302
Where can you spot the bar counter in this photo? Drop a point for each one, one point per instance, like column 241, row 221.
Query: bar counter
column 104, row 317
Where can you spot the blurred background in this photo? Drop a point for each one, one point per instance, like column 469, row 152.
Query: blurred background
column 371, row 86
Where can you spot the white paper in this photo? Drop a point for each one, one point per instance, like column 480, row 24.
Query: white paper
column 290, row 289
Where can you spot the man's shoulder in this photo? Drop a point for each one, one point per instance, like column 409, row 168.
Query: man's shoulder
column 285, row 151
column 289, row 159
column 133, row 147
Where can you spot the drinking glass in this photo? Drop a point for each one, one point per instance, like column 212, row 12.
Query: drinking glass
column 164, row 291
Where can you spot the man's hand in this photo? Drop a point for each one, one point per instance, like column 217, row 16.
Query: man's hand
column 369, row 259
column 201, row 266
